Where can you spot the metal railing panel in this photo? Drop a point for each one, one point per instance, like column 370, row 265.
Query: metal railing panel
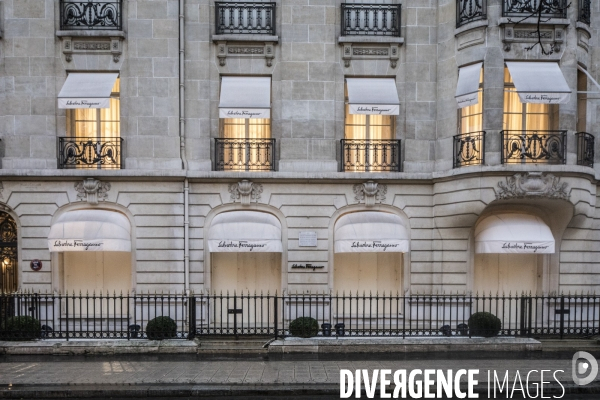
column 371, row 19
column 245, row 18
column 370, row 155
column 548, row 147
column 469, row 11
column 585, row 149
column 91, row 15
column 81, row 152
column 525, row 8
column 244, row 154
column 469, row 149
column 584, row 13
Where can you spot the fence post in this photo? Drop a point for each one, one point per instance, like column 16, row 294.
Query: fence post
column 191, row 317
column 562, row 315
column 276, row 314
column 522, row 322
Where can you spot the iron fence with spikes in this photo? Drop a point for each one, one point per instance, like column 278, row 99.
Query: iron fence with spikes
column 126, row 315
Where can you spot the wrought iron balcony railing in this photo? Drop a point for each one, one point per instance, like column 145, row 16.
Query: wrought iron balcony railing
column 585, row 149
column 547, row 147
column 84, row 152
column 371, row 19
column 245, row 155
column 469, row 11
column 469, row 149
column 91, row 14
column 245, row 18
column 525, row 8
column 585, row 12
column 370, row 155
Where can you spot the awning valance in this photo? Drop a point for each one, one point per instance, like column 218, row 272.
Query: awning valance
column 90, row 230
column 369, row 232
column 539, row 82
column 245, row 97
column 375, row 96
column 513, row 233
column 87, row 90
column 245, row 231
column 467, row 88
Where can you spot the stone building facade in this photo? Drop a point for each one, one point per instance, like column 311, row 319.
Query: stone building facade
column 309, row 185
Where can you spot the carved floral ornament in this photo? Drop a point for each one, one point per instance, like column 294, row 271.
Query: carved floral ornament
column 245, row 191
column 92, row 190
column 370, row 192
column 532, row 184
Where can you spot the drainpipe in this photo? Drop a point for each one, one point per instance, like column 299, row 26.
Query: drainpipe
column 184, row 162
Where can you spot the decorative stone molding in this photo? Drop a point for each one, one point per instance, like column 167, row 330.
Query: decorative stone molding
column 97, row 45
column 370, row 192
column 583, row 36
column 471, row 34
column 253, row 48
column 92, row 190
column 245, row 191
column 552, row 31
column 532, row 184
column 353, row 51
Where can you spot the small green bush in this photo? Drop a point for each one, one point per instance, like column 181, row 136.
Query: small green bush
column 161, row 328
column 21, row 328
column 304, row 327
column 484, row 324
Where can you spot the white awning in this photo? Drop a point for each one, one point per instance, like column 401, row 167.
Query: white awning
column 245, row 231
column 539, row 82
column 87, row 90
column 374, row 96
column 90, row 230
column 513, row 233
column 370, row 232
column 467, row 88
column 245, row 97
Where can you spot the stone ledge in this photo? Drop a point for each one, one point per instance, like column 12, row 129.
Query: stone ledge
column 232, row 37
column 91, row 33
column 399, row 345
column 482, row 23
column 370, row 39
column 99, row 347
column 534, row 21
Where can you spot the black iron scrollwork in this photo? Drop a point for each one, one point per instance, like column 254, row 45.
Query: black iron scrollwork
column 75, row 15
column 534, row 147
column 585, row 12
column 469, row 11
column 469, row 149
column 523, row 8
column 90, row 153
column 585, row 149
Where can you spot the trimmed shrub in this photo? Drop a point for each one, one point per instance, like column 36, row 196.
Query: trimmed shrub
column 484, row 324
column 304, row 327
column 160, row 328
column 21, row 328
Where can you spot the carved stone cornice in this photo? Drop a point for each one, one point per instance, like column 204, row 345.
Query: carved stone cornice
column 245, row 191
column 370, row 192
column 92, row 190
column 532, row 184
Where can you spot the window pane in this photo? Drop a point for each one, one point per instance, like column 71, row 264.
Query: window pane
column 380, row 133
column 259, row 128
column 234, row 128
column 513, row 109
column 355, row 119
column 356, row 132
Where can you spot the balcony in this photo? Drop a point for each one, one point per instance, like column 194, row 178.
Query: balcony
column 82, row 153
column 371, row 19
column 244, row 154
column 469, row 149
column 584, row 14
column 91, row 15
column 547, row 147
column 245, row 18
column 531, row 8
column 370, row 155
column 470, row 11
column 585, row 149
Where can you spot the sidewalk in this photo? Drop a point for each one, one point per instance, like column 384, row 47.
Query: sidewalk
column 186, row 376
